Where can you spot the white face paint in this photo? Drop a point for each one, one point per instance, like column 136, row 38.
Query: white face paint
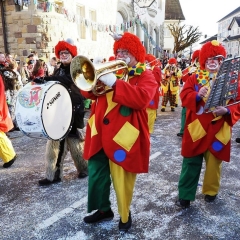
column 65, row 57
column 127, row 57
column 212, row 65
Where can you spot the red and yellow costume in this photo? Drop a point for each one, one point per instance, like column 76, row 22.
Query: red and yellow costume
column 170, row 84
column 117, row 139
column 155, row 65
column 206, row 136
column 7, row 152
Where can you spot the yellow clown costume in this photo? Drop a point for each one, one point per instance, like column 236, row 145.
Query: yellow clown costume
column 170, row 84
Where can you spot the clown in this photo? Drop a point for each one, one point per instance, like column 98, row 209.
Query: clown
column 7, row 153
column 170, row 84
column 206, row 135
column 186, row 73
column 153, row 64
column 117, row 143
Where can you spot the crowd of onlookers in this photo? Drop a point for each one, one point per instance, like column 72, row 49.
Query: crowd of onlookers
column 15, row 75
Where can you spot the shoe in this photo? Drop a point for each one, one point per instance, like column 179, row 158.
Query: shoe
column 125, row 226
column 99, row 216
column 237, row 140
column 176, row 105
column 83, row 174
column 209, row 198
column 163, row 110
column 172, row 109
column 46, row 182
column 183, row 203
column 180, row 134
column 10, row 163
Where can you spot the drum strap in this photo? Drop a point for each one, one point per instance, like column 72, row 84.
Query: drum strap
column 60, row 153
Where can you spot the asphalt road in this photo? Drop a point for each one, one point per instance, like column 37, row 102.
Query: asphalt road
column 28, row 211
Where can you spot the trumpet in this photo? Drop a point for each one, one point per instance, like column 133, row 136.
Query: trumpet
column 157, row 63
column 86, row 75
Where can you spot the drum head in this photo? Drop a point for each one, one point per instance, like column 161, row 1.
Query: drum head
column 57, row 112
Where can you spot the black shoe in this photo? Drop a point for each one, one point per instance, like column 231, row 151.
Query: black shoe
column 238, row 140
column 180, row 134
column 209, row 198
column 163, row 110
column 10, row 163
column 183, row 203
column 125, row 226
column 172, row 109
column 176, row 105
column 83, row 174
column 46, row 182
column 99, row 216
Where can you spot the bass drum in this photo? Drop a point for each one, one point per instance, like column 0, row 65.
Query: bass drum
column 44, row 110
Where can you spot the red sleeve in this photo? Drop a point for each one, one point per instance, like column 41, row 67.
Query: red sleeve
column 157, row 74
column 189, row 93
column 138, row 92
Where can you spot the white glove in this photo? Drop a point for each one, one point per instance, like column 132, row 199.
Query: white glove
column 109, row 79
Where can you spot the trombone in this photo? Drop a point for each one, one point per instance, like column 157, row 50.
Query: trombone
column 86, row 75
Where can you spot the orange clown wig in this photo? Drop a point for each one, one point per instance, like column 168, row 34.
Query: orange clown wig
column 210, row 50
column 132, row 43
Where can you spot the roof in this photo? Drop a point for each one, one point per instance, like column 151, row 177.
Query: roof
column 231, row 38
column 214, row 37
column 173, row 10
column 230, row 14
column 237, row 19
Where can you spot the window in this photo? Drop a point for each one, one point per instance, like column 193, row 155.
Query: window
column 81, row 22
column 93, row 28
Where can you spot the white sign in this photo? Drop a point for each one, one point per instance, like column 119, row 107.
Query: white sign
column 144, row 3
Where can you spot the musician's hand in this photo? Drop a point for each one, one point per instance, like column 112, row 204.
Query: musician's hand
column 220, row 111
column 108, row 79
column 203, row 92
column 38, row 80
column 192, row 70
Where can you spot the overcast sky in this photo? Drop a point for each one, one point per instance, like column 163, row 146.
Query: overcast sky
column 206, row 13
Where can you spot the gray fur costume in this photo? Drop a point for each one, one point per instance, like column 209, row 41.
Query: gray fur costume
column 55, row 155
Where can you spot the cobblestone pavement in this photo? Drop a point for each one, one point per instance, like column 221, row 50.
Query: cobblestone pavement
column 28, row 211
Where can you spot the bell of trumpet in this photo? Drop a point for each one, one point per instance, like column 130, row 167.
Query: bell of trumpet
column 86, row 75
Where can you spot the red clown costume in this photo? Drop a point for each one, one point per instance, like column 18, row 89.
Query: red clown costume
column 170, row 84
column 117, row 137
column 7, row 153
column 153, row 64
column 206, row 135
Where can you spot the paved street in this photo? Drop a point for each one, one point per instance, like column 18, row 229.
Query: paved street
column 28, row 211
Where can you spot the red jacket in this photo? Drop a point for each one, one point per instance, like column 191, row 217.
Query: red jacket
column 206, row 131
column 119, row 123
column 158, row 76
column 5, row 118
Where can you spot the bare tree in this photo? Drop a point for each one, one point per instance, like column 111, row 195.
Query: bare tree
column 184, row 35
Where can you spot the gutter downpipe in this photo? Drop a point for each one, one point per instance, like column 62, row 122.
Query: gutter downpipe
column 4, row 27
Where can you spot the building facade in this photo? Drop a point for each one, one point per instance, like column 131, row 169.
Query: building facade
column 38, row 25
column 229, row 32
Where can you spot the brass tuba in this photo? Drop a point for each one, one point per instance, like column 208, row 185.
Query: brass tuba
column 86, row 75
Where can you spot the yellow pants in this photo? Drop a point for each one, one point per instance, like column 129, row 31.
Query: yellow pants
column 211, row 182
column 152, row 115
column 123, row 183
column 7, row 152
